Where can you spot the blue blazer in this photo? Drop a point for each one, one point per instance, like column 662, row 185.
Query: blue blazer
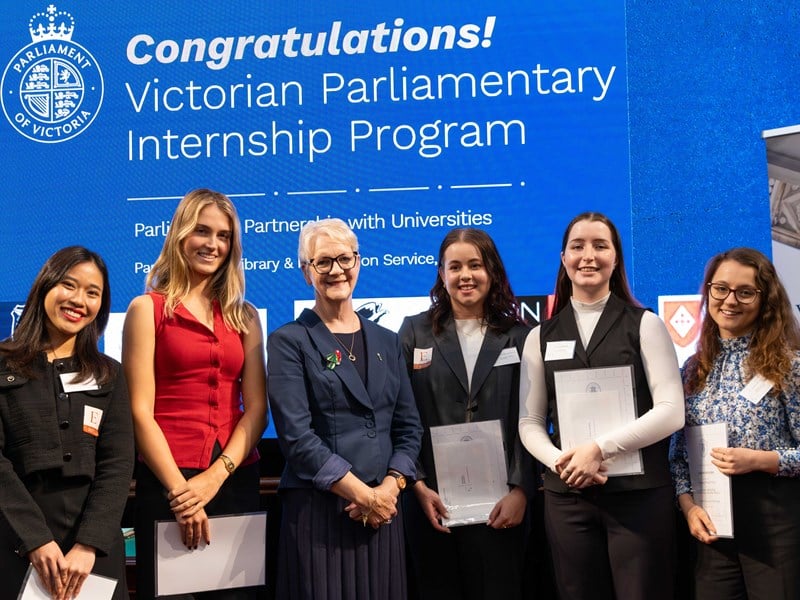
column 328, row 422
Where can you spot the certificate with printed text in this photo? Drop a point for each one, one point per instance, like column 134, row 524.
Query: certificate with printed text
column 711, row 489
column 594, row 402
column 470, row 469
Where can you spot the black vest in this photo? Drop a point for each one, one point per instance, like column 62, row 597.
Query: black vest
column 614, row 342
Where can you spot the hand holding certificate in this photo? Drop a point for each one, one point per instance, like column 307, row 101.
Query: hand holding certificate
column 711, row 489
column 470, row 469
column 236, row 559
column 593, row 402
column 95, row 587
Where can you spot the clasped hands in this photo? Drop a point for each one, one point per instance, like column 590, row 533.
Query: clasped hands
column 62, row 575
column 188, row 502
column 582, row 466
column 377, row 508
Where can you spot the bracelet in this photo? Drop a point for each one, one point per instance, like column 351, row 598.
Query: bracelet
column 365, row 516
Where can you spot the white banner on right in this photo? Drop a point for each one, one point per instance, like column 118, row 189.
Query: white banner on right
column 783, row 170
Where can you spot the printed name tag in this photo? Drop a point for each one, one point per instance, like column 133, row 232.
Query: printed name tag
column 560, row 350
column 91, row 420
column 756, row 389
column 508, row 356
column 70, row 385
column 422, row 358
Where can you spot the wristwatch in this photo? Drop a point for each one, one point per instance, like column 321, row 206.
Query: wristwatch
column 399, row 479
column 229, row 466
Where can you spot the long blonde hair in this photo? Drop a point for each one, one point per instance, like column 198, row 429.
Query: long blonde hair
column 170, row 274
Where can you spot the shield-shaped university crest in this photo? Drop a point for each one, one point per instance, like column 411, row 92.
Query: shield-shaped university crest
column 683, row 316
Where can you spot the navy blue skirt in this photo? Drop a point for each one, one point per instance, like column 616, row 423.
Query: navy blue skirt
column 324, row 555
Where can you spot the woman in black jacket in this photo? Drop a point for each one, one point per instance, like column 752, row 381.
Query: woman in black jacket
column 463, row 356
column 66, row 439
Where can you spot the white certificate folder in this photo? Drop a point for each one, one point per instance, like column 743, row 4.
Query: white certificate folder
column 235, row 557
column 711, row 488
column 594, row 402
column 470, row 469
column 95, row 587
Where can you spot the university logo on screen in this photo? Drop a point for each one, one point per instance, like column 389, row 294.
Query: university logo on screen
column 52, row 88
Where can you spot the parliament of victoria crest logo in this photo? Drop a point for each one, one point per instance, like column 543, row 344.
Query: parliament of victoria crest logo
column 52, row 88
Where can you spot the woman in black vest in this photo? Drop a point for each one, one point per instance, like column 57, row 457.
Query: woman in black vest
column 612, row 536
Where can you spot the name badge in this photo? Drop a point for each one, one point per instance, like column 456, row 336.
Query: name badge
column 756, row 389
column 422, row 358
column 91, row 420
column 508, row 356
column 70, row 385
column 560, row 350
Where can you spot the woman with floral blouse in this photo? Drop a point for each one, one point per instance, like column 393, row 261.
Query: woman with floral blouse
column 746, row 373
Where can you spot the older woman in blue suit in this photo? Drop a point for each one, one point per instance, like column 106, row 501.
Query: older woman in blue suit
column 349, row 430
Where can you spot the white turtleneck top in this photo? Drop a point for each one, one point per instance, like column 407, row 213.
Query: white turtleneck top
column 663, row 377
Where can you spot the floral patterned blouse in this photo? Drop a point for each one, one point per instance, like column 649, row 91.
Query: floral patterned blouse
column 773, row 423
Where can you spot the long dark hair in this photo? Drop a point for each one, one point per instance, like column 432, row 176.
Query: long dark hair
column 775, row 337
column 30, row 338
column 619, row 280
column 500, row 308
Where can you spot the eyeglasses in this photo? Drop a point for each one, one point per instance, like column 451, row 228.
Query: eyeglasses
column 324, row 265
column 720, row 291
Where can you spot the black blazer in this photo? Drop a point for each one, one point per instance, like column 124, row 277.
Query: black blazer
column 328, row 422
column 42, row 431
column 442, row 398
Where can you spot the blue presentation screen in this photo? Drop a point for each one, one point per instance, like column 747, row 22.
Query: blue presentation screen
column 404, row 119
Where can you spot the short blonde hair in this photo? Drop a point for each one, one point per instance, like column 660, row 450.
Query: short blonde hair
column 336, row 229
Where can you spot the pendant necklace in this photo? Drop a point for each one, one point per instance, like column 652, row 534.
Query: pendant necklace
column 349, row 351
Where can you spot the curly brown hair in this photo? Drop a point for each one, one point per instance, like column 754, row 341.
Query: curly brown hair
column 500, row 308
column 775, row 336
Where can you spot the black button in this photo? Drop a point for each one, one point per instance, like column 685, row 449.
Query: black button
column 64, row 424
column 67, row 456
column 63, row 396
column 371, row 433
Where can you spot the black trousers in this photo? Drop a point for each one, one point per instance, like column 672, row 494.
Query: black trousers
column 61, row 501
column 474, row 562
column 612, row 546
column 239, row 494
column 762, row 561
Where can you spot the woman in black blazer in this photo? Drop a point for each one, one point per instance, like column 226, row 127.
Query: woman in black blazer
column 463, row 356
column 66, row 438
